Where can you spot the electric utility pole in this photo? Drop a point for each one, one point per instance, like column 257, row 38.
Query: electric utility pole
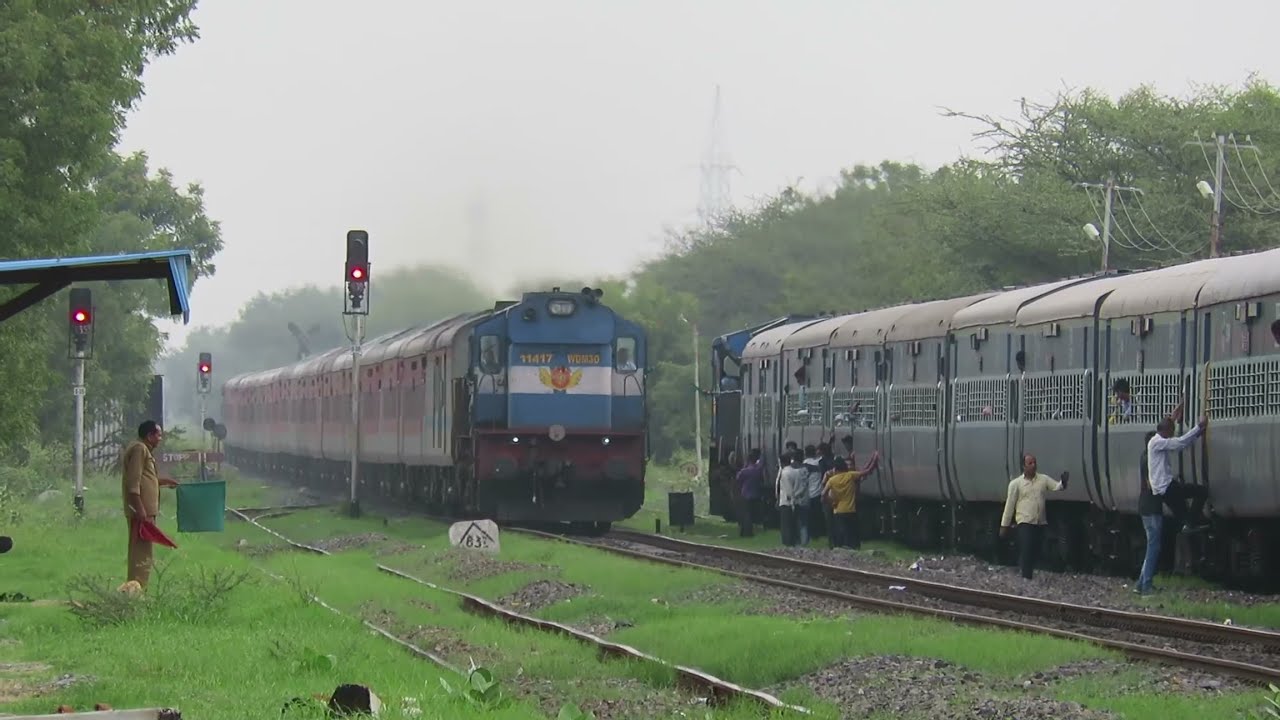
column 1109, row 189
column 1219, row 169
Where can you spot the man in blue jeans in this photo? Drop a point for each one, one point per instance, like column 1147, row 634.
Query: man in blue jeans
column 1158, row 488
column 1151, row 510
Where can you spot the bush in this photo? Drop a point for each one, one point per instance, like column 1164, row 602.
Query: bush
column 190, row 598
column 36, row 469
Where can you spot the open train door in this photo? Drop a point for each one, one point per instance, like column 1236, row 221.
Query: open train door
column 725, row 423
column 463, row 445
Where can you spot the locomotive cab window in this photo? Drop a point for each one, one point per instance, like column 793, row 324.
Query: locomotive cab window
column 490, row 358
column 624, row 355
column 730, row 372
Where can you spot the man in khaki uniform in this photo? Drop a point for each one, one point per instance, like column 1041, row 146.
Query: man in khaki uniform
column 1025, row 505
column 141, row 490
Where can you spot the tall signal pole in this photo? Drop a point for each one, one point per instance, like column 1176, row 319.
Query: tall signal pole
column 1109, row 189
column 80, row 348
column 356, row 304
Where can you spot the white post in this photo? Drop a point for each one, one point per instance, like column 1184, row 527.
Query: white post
column 204, row 435
column 357, row 338
column 77, row 393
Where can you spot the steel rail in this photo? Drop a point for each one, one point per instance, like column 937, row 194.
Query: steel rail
column 1162, row 625
column 1245, row 671
column 688, row 678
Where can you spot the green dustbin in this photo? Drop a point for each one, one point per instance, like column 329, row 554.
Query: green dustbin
column 202, row 506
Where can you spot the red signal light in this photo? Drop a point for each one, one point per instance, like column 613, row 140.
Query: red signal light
column 204, row 368
column 357, row 273
column 80, row 317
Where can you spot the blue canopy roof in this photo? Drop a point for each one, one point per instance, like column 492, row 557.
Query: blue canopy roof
column 52, row 274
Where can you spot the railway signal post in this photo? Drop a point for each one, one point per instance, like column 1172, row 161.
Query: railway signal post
column 356, row 306
column 79, row 349
column 204, row 381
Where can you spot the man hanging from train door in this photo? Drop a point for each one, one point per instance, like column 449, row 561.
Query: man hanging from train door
column 1174, row 493
column 1025, row 506
column 1161, row 450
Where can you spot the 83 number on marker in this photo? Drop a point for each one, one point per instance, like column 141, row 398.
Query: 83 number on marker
column 479, row 535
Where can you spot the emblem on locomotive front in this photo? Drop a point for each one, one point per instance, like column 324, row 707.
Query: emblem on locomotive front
column 559, row 379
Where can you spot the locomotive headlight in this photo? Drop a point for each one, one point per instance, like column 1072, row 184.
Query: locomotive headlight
column 560, row 307
column 604, row 441
column 515, row 440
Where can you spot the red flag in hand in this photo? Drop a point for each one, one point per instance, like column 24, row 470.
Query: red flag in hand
column 146, row 531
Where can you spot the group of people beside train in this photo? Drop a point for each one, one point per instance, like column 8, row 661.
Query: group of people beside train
column 816, row 494
column 815, row 491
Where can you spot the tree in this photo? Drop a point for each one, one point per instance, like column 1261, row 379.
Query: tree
column 137, row 213
column 1021, row 207
column 71, row 71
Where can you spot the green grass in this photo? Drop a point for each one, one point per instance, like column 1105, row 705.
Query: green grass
column 245, row 653
column 227, row 660
column 240, row 658
column 1123, row 693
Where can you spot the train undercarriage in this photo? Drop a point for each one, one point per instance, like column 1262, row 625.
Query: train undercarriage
column 449, row 491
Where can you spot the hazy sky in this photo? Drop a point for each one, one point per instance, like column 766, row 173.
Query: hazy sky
column 564, row 135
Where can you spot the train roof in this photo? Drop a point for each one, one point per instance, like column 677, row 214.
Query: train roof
column 815, row 334
column 1168, row 289
column 736, row 342
column 770, row 341
column 867, row 328
column 443, row 332
column 383, row 347
column 1002, row 308
column 311, row 363
column 1257, row 275
column 930, row 319
column 1076, row 301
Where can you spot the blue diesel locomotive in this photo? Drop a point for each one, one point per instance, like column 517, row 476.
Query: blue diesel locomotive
column 533, row 411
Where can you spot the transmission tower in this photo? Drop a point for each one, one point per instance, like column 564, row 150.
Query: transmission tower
column 716, row 167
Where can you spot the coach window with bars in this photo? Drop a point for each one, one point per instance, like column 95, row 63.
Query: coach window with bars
column 625, row 355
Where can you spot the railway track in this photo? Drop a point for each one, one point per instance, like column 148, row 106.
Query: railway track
column 1238, row 652
column 1244, row 653
column 1160, row 625
column 718, row 690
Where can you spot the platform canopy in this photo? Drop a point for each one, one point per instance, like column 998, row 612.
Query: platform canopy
column 48, row 276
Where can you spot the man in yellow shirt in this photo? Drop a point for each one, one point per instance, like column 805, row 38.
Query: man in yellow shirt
column 841, row 492
column 140, row 488
column 1025, row 505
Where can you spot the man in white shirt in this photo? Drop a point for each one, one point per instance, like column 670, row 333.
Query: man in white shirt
column 793, row 500
column 1160, row 453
